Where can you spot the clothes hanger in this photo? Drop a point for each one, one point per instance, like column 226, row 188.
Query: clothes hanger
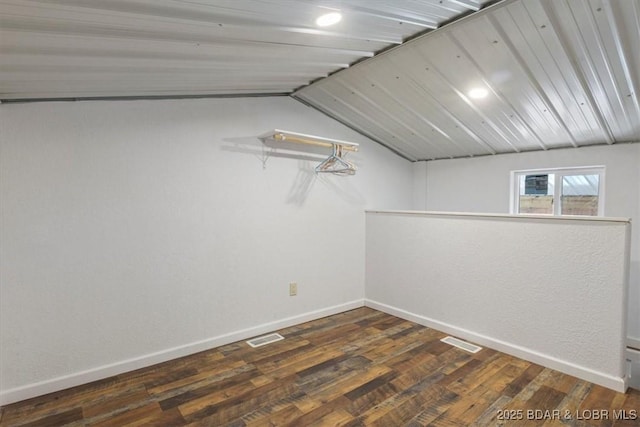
column 336, row 164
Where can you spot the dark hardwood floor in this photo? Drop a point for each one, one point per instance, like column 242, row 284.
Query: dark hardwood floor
column 362, row 367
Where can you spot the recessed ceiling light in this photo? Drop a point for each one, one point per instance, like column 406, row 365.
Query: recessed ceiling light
column 478, row 93
column 328, row 19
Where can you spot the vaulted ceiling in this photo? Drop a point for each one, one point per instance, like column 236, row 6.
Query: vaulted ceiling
column 114, row 48
column 557, row 73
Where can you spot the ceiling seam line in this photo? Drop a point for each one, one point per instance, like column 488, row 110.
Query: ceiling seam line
column 576, row 69
column 352, row 127
column 418, row 115
column 444, row 26
column 497, row 93
column 84, row 17
column 392, row 17
column 524, row 67
column 622, row 53
column 476, row 138
column 469, row 103
column 600, row 144
column 401, row 122
column 584, row 81
column 374, row 105
column 141, row 97
column 554, row 22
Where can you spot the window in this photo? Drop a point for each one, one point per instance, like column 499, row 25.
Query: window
column 571, row 191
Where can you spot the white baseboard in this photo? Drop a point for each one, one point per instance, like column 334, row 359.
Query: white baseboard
column 101, row 372
column 614, row 383
column 633, row 342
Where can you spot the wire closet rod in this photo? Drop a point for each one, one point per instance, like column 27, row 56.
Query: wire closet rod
column 301, row 138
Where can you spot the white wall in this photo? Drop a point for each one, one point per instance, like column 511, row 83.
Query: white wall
column 482, row 185
column 138, row 231
column 493, row 280
column 420, row 185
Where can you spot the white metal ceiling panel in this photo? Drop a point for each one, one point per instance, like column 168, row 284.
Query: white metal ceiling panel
column 361, row 120
column 523, row 89
column 559, row 73
column 106, row 48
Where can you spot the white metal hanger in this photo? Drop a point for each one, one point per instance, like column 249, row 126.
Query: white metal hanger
column 336, row 164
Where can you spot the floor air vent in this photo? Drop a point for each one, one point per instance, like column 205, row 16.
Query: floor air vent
column 264, row 340
column 471, row 348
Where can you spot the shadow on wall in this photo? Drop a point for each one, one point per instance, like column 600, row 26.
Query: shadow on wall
column 302, row 184
column 264, row 151
column 308, row 157
column 343, row 187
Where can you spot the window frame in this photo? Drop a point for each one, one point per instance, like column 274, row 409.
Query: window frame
column 560, row 173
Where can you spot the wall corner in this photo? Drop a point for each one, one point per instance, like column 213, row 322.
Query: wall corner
column 419, row 201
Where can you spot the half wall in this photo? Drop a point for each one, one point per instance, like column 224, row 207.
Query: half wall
column 549, row 290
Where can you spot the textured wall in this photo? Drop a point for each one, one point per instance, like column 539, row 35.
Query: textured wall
column 130, row 229
column 482, row 185
column 549, row 290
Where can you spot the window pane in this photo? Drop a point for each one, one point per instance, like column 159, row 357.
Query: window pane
column 536, row 194
column 580, row 194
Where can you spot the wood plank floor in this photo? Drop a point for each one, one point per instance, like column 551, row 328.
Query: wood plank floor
column 359, row 368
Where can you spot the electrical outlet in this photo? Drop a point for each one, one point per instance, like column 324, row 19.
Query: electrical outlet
column 293, row 289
